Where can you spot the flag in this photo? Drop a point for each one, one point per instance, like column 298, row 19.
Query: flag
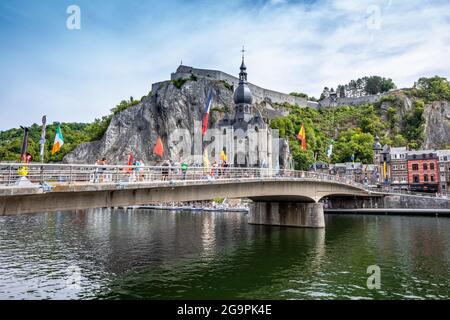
column 384, row 170
column 42, row 141
column 205, row 159
column 302, row 137
column 330, row 150
column 206, row 114
column 23, row 152
column 59, row 141
column 159, row 149
column 223, row 156
column 130, row 159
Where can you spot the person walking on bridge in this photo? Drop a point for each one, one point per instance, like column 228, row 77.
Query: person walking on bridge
column 184, row 168
column 165, row 170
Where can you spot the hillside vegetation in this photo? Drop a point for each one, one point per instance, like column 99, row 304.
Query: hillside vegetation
column 352, row 129
column 74, row 134
column 397, row 118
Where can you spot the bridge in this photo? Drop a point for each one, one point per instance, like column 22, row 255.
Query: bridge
column 280, row 197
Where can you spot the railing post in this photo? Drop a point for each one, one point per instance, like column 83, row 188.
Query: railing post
column 70, row 174
column 42, row 174
column 9, row 175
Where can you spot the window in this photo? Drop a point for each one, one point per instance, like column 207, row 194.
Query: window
column 425, row 178
column 432, row 178
column 431, row 166
column 415, row 166
column 224, row 131
column 416, row 178
column 394, row 167
column 402, row 166
column 425, row 166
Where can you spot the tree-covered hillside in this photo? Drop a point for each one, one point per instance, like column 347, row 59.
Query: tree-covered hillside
column 397, row 118
column 74, row 134
column 352, row 129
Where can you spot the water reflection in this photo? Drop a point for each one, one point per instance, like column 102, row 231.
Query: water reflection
column 107, row 253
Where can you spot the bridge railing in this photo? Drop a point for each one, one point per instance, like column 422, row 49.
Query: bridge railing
column 11, row 173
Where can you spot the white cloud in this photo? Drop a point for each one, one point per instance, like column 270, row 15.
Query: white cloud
column 291, row 47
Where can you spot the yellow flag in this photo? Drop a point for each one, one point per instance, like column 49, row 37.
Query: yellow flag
column 205, row 159
column 223, row 156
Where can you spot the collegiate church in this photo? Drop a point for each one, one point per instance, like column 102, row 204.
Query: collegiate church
column 247, row 137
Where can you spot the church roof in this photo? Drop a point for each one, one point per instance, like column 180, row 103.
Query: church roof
column 242, row 94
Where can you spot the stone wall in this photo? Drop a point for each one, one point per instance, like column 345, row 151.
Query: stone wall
column 348, row 101
column 259, row 94
column 355, row 101
column 389, row 202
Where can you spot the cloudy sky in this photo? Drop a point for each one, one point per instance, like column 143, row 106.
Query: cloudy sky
column 124, row 46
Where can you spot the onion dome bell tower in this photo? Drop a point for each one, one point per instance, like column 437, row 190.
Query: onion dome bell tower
column 242, row 95
column 377, row 151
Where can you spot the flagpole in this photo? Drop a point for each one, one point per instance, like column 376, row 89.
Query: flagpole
column 42, row 141
column 23, row 152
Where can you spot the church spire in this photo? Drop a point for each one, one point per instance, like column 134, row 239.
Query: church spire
column 243, row 73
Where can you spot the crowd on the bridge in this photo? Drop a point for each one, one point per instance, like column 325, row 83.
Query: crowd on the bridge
column 169, row 170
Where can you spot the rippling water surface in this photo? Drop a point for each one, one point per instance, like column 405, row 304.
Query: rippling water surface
column 148, row 254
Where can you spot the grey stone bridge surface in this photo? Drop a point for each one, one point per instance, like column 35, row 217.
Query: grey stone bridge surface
column 90, row 195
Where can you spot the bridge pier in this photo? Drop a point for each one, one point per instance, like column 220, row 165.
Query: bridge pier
column 293, row 214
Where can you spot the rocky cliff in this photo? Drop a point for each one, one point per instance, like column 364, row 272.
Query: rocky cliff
column 436, row 118
column 168, row 107
column 177, row 105
column 437, row 125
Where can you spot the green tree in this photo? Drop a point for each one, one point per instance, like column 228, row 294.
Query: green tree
column 414, row 125
column 433, row 89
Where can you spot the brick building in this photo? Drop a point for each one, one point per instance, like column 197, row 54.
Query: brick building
column 423, row 174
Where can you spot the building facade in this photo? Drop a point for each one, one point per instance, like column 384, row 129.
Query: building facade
column 444, row 171
column 398, row 168
column 423, row 174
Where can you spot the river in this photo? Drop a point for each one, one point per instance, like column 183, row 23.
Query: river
column 153, row 254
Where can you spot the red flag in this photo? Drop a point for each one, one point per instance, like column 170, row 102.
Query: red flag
column 206, row 114
column 159, row 149
column 130, row 159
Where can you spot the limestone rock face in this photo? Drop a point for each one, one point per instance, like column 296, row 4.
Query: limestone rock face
column 436, row 116
column 437, row 125
column 166, row 109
